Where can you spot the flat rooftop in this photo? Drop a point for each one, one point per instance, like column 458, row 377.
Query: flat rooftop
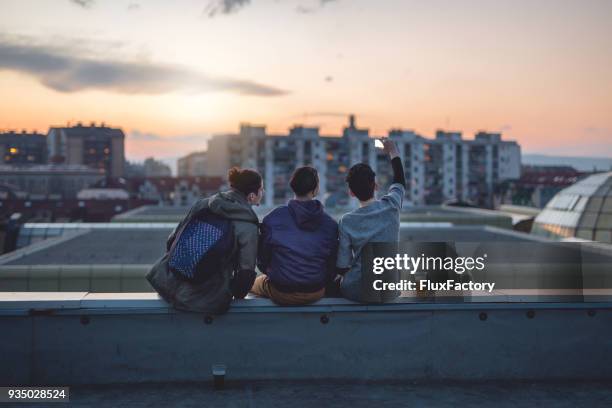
column 153, row 213
column 100, row 247
column 430, row 213
column 142, row 243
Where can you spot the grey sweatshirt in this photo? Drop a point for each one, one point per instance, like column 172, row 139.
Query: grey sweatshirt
column 377, row 222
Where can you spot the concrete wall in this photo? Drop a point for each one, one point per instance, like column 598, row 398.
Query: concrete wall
column 120, row 340
column 78, row 278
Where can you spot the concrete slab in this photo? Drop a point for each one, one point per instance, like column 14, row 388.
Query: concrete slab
column 40, row 300
column 123, row 300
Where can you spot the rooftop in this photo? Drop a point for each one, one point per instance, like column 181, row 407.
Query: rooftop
column 88, row 244
column 83, row 131
column 583, row 210
column 153, row 213
column 142, row 243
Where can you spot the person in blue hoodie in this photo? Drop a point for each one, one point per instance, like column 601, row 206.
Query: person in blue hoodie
column 297, row 246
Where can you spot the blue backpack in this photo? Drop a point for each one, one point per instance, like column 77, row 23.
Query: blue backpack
column 201, row 247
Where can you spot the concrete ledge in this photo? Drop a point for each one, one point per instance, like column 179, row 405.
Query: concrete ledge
column 84, row 338
column 20, row 303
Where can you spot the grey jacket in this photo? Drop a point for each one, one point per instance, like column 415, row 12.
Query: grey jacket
column 214, row 295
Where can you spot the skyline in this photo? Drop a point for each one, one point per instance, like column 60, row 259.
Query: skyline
column 171, row 73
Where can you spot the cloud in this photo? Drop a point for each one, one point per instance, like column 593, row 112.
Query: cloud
column 301, row 9
column 216, row 7
column 55, row 68
column 83, row 3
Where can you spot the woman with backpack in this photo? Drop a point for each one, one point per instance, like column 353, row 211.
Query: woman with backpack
column 184, row 276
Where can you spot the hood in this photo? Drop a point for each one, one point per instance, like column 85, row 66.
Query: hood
column 306, row 214
column 232, row 205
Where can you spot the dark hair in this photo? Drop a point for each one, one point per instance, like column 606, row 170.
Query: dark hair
column 360, row 179
column 244, row 180
column 304, row 180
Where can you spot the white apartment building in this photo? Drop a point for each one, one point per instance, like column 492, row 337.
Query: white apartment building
column 447, row 168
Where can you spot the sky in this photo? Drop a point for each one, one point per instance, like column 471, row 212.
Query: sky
column 171, row 73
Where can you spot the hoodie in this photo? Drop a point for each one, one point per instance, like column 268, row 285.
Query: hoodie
column 232, row 205
column 298, row 245
column 214, row 294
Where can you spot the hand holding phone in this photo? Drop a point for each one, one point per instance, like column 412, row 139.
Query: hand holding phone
column 389, row 147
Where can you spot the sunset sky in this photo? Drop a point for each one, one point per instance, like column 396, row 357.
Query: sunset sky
column 172, row 72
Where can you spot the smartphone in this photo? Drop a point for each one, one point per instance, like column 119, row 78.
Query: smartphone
column 378, row 144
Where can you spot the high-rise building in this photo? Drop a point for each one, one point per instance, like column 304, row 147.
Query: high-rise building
column 99, row 147
column 23, row 148
column 194, row 164
column 217, row 155
column 412, row 151
column 447, row 168
column 491, row 161
column 156, row 168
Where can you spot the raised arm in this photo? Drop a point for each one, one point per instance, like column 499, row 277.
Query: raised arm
column 396, row 162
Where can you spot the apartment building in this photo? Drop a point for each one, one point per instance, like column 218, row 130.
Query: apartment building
column 98, row 147
column 446, row 168
column 192, row 165
column 23, row 148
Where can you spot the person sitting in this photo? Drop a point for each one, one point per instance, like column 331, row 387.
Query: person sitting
column 374, row 220
column 236, row 277
column 297, row 246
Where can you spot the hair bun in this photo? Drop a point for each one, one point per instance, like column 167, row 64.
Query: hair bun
column 233, row 175
column 244, row 180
